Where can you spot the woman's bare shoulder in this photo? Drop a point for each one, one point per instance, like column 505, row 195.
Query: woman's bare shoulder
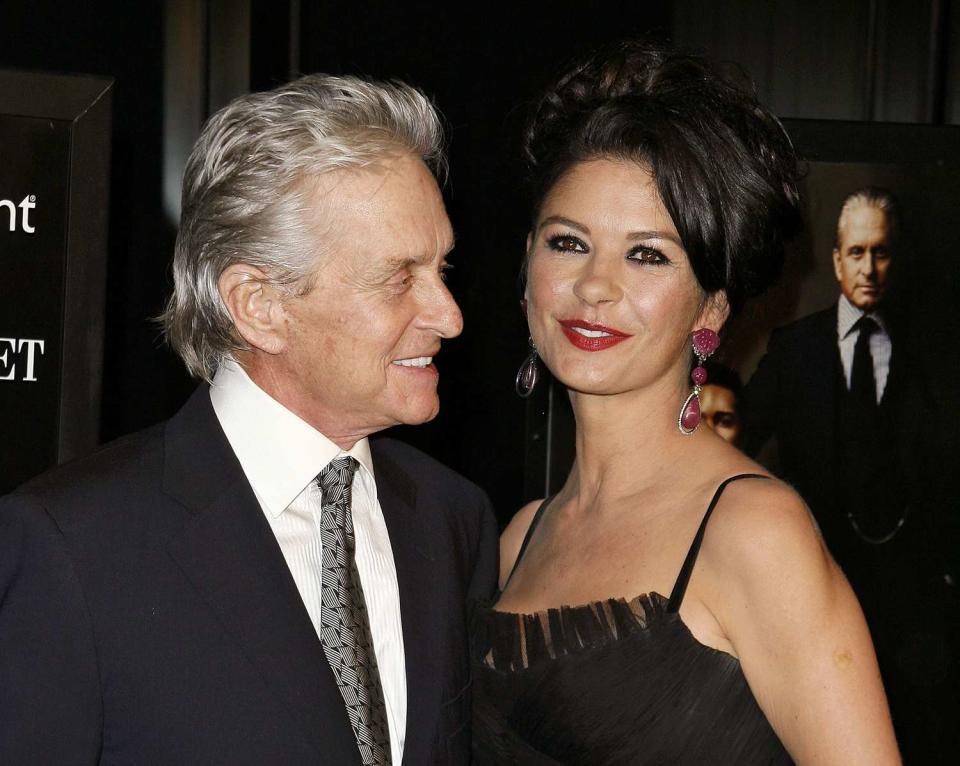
column 763, row 537
column 761, row 517
column 512, row 537
column 792, row 619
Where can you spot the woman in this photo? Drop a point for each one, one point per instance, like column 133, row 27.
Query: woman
column 628, row 629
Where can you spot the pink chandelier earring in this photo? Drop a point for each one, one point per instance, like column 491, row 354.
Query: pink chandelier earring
column 705, row 342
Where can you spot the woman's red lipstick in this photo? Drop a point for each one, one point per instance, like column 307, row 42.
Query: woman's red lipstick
column 610, row 337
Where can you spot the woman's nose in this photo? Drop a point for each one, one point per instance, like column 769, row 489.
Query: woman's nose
column 597, row 283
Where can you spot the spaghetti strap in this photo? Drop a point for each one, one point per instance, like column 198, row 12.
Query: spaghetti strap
column 527, row 537
column 680, row 587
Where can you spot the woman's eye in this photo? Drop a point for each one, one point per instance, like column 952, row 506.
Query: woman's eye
column 445, row 269
column 648, row 255
column 565, row 243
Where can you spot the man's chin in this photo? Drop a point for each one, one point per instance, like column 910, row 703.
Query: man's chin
column 419, row 414
column 868, row 302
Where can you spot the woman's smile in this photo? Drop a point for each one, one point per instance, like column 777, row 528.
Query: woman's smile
column 591, row 337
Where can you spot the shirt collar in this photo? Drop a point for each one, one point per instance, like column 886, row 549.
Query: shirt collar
column 848, row 315
column 280, row 453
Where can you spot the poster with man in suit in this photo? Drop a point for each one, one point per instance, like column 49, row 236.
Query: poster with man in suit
column 848, row 395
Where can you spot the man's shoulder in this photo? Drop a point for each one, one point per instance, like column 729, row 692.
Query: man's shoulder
column 93, row 484
column 819, row 324
column 416, row 464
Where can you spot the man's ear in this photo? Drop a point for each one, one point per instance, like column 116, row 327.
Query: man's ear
column 715, row 311
column 255, row 307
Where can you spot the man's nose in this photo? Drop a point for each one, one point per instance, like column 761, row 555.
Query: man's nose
column 870, row 265
column 441, row 313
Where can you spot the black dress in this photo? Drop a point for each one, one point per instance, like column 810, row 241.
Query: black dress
column 612, row 682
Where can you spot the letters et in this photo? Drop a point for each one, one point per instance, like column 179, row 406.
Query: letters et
column 25, row 348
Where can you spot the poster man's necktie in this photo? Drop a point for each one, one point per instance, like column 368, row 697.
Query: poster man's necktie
column 863, row 384
column 344, row 626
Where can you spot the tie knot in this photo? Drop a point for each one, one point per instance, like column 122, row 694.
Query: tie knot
column 337, row 476
column 866, row 325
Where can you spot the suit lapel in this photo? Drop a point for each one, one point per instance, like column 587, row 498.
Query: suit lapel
column 228, row 552
column 396, row 492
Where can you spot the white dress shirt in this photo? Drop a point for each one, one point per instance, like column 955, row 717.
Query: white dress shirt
column 281, row 456
column 880, row 346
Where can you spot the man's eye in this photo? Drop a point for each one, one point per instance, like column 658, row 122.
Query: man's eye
column 401, row 281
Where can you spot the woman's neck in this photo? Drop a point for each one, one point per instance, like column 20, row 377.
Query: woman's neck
column 627, row 444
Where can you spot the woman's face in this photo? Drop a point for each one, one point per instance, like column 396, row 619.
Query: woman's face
column 611, row 296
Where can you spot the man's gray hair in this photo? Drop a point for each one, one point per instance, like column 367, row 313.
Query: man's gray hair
column 247, row 191
column 871, row 196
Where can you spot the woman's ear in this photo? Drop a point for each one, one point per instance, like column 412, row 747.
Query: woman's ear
column 715, row 311
column 255, row 306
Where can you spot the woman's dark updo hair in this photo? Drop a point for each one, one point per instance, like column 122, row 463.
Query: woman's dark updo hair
column 725, row 169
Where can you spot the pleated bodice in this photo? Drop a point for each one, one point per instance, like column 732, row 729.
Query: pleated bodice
column 612, row 682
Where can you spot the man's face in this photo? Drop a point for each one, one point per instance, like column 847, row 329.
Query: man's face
column 861, row 262
column 718, row 408
column 359, row 346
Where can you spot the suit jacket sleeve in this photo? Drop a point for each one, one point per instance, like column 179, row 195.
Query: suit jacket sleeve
column 50, row 704
column 762, row 398
column 486, row 562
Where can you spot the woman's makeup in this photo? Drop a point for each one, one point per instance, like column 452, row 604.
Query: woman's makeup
column 591, row 337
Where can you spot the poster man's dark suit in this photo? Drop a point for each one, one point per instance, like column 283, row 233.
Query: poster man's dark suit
column 899, row 470
column 147, row 615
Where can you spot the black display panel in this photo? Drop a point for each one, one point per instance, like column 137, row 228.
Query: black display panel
column 54, row 145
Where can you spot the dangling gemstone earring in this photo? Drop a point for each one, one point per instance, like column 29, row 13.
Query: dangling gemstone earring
column 705, row 342
column 528, row 374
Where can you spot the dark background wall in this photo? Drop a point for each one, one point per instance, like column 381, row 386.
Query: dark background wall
column 176, row 62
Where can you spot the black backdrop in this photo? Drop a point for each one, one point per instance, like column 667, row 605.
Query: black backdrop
column 482, row 64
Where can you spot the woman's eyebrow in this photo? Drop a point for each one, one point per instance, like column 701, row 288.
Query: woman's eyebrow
column 565, row 221
column 653, row 234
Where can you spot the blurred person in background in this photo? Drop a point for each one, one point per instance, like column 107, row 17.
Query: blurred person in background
column 720, row 401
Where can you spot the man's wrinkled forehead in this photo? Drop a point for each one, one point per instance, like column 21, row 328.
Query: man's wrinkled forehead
column 861, row 217
column 391, row 210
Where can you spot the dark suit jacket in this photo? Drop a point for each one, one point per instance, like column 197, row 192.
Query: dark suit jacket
column 793, row 397
column 147, row 615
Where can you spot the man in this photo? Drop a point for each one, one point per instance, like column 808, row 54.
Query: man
column 255, row 581
column 720, row 401
column 854, row 412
